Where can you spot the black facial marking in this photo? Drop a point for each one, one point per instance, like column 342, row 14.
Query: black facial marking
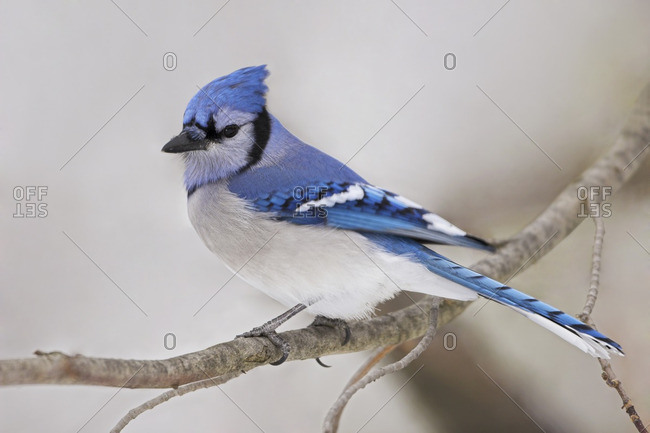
column 261, row 134
column 209, row 130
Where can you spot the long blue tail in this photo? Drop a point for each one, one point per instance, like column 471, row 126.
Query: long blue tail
column 567, row 327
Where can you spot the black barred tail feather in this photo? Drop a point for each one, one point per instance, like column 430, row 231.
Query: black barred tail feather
column 567, row 327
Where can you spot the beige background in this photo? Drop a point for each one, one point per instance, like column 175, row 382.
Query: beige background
column 566, row 72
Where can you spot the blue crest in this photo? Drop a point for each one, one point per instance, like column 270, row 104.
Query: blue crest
column 242, row 90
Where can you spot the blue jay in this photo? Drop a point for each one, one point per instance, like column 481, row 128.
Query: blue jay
column 314, row 235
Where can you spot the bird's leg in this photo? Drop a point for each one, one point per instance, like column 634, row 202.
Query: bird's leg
column 268, row 330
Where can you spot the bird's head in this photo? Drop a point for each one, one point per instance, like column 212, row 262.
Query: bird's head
column 225, row 127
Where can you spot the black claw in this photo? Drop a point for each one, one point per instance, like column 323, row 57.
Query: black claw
column 280, row 344
column 322, row 364
column 281, row 360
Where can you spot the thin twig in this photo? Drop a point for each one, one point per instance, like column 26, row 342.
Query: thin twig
column 592, row 294
column 610, row 379
column 331, row 422
column 177, row 392
column 608, row 373
column 375, row 356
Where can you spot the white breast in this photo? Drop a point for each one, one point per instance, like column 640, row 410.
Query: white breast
column 339, row 274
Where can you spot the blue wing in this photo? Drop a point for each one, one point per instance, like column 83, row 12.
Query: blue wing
column 365, row 208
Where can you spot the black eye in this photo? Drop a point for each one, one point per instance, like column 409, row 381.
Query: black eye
column 230, row 130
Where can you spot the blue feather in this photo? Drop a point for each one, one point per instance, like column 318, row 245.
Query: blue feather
column 495, row 291
column 378, row 211
column 242, row 90
column 291, row 164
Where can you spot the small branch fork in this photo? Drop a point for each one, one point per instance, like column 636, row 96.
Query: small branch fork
column 364, row 375
column 166, row 396
column 608, row 373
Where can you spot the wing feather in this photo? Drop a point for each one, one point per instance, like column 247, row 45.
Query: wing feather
column 365, row 208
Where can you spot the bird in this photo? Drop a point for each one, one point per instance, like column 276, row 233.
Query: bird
column 311, row 233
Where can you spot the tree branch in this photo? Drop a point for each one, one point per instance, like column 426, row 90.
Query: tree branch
column 244, row 354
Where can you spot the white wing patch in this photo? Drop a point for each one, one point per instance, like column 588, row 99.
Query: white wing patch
column 442, row 225
column 408, row 202
column 354, row 192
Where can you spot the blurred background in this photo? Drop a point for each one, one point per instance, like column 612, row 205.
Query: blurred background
column 483, row 112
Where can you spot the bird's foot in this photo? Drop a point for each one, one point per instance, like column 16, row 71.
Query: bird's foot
column 268, row 331
column 332, row 323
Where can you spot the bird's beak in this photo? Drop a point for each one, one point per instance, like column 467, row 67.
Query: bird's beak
column 182, row 143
